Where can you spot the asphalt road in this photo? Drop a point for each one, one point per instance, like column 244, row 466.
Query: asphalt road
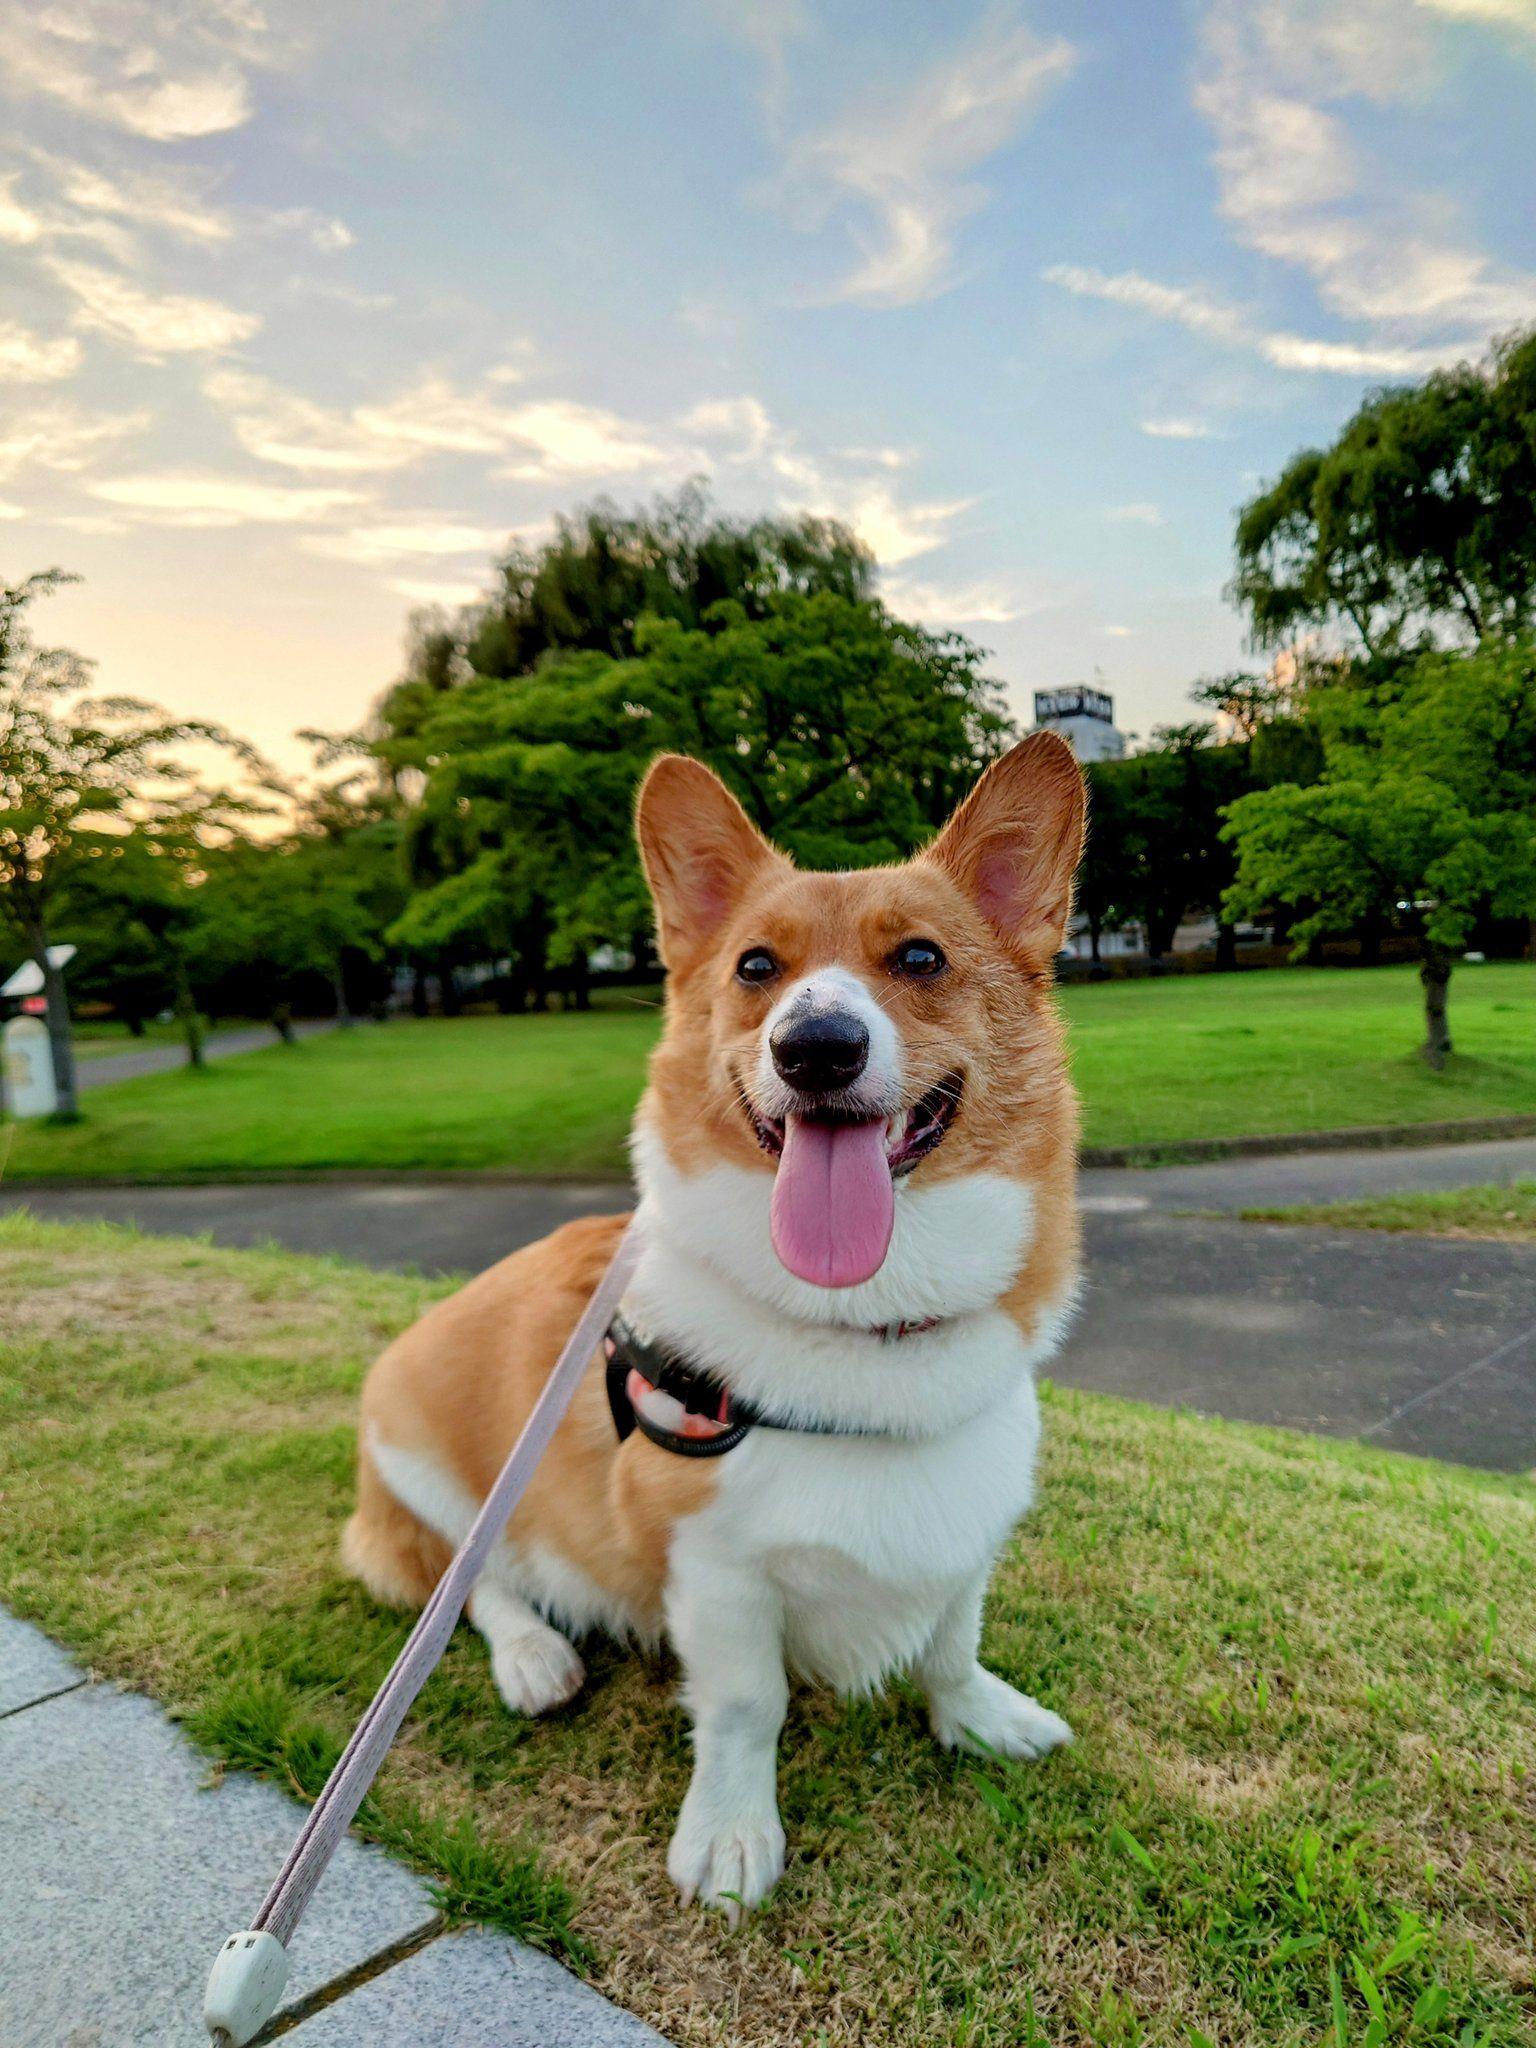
column 1424, row 1344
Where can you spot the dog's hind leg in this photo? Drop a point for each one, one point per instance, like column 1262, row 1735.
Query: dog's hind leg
column 535, row 1668
column 398, row 1557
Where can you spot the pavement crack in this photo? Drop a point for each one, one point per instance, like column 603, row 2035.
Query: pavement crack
column 352, row 1980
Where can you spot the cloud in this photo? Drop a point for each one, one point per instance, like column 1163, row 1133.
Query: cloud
column 152, row 324
column 1133, row 515
column 61, row 436
column 9, row 511
column 29, row 359
column 1193, row 307
column 1178, row 430
column 966, row 604
column 901, row 167
column 428, row 534
column 145, row 199
column 1272, row 85
column 212, row 501
column 537, row 441
column 448, row 595
column 167, row 73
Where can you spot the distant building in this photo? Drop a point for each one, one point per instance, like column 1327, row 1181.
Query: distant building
column 1085, row 718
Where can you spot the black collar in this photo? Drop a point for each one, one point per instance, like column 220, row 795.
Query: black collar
column 709, row 1419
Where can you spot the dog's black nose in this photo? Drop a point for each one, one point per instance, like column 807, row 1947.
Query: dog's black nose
column 820, row 1050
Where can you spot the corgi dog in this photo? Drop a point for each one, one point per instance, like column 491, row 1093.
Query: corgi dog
column 813, row 1424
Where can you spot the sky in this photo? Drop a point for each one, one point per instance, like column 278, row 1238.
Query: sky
column 310, row 306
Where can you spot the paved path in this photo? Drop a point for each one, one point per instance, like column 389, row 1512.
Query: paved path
column 161, row 1057
column 124, row 1870
column 1424, row 1344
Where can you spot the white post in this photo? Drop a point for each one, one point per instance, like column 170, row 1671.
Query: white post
column 28, row 1068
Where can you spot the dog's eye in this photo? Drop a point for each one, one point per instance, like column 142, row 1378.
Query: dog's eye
column 757, row 965
column 917, row 957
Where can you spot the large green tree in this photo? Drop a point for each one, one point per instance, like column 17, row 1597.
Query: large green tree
column 1423, row 816
column 1415, row 523
column 847, row 733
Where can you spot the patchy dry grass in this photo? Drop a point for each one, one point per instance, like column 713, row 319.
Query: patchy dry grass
column 1301, row 1809
column 1502, row 1212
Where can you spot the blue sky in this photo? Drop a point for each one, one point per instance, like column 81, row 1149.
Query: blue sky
column 307, row 308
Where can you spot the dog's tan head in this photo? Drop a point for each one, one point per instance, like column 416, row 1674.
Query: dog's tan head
column 851, row 1032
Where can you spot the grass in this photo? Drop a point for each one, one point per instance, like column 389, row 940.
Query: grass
column 1507, row 1212
column 1157, row 1062
column 1303, row 1677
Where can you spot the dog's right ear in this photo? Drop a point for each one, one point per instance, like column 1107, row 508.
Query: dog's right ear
column 699, row 849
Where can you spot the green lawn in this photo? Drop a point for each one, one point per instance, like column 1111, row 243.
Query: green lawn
column 1303, row 1677
column 1503, row 1212
column 1160, row 1062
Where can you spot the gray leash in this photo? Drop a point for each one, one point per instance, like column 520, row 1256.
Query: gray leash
column 251, row 1969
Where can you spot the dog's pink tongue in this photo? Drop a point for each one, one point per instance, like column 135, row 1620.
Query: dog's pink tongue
column 833, row 1202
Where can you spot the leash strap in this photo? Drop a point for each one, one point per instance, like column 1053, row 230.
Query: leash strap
column 344, row 1791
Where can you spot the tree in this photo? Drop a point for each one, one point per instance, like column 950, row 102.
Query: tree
column 72, row 769
column 1164, row 806
column 588, row 589
column 1414, row 526
column 848, row 734
column 1424, row 815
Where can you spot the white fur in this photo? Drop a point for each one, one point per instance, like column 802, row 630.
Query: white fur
column 843, row 1557
column 834, row 988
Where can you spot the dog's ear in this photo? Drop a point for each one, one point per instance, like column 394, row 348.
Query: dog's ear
column 699, row 850
column 1014, row 844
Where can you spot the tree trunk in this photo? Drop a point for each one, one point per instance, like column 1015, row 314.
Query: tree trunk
column 134, row 1019
column 419, row 1004
column 1226, row 949
column 60, row 1045
column 186, row 1015
column 343, row 1008
column 282, row 1022
column 1435, row 975
column 581, row 983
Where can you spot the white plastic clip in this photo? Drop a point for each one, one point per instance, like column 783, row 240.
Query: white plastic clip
column 247, row 1979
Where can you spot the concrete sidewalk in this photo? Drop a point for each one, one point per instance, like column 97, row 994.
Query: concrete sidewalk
column 162, row 1058
column 129, row 1858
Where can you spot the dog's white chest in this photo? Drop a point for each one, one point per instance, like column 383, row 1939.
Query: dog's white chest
column 866, row 1540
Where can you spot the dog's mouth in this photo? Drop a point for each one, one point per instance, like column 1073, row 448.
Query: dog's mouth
column 909, row 1137
column 834, row 1203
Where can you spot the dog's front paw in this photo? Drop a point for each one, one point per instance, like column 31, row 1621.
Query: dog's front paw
column 732, row 1863
column 987, row 1715
column 536, row 1671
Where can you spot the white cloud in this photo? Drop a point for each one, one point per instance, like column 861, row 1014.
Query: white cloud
column 145, row 199
column 965, row 604
column 1119, row 632
column 154, row 324
column 903, row 166
column 544, row 439
column 200, row 501
column 322, row 233
column 449, row 595
column 61, row 436
column 1197, row 309
column 168, row 73
column 10, row 511
column 1178, row 429
column 30, row 359
column 1273, row 82
column 427, row 534
column 1133, row 515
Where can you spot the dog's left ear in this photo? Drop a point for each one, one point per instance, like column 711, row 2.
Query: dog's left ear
column 1014, row 844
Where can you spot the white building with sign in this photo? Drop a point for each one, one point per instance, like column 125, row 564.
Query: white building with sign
column 1085, row 718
